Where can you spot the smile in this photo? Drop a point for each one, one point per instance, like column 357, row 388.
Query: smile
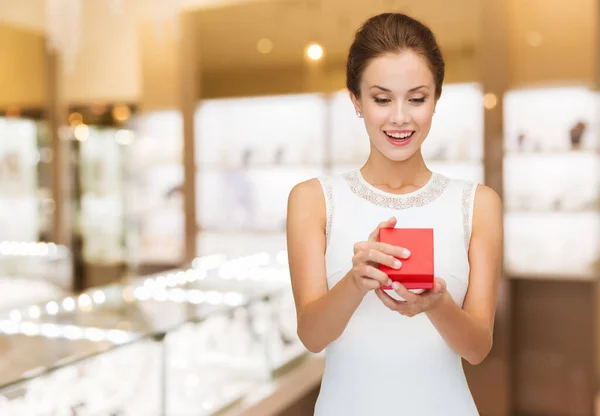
column 399, row 135
column 400, row 138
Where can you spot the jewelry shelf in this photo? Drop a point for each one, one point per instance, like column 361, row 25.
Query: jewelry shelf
column 154, row 193
column 552, row 183
column 201, row 338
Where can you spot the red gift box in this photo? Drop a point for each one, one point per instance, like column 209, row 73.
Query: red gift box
column 417, row 270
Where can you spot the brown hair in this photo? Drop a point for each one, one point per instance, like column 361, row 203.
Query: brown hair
column 392, row 33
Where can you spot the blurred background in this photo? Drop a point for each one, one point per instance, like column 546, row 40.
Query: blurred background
column 147, row 149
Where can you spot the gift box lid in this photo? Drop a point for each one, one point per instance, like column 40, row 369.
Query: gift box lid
column 420, row 243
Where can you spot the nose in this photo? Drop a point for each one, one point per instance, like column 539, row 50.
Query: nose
column 400, row 114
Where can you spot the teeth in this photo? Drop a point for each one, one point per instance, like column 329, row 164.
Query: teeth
column 399, row 135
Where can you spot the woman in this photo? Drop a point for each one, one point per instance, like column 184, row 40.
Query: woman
column 386, row 356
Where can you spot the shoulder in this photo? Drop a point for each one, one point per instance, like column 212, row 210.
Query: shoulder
column 487, row 210
column 307, row 198
column 319, row 188
column 307, row 190
column 306, row 207
column 487, row 199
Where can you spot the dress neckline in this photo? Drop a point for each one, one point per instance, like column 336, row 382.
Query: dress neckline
column 373, row 188
column 426, row 194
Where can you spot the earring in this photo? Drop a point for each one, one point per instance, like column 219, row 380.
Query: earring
column 358, row 114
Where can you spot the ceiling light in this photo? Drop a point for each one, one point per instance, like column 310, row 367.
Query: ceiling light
column 264, row 46
column 314, row 51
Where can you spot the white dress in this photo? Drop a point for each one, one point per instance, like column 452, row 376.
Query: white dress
column 386, row 364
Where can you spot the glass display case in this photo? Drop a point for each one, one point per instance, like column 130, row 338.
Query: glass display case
column 33, row 272
column 32, row 268
column 191, row 341
column 124, row 381
column 250, row 152
column 349, row 140
column 271, row 318
column 454, row 146
column 19, row 196
column 103, row 205
column 155, row 197
column 552, row 183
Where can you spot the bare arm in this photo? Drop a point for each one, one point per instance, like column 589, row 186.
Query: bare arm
column 468, row 331
column 323, row 314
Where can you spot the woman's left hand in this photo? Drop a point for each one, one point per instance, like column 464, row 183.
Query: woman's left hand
column 413, row 303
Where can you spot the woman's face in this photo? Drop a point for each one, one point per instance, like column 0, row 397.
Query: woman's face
column 397, row 103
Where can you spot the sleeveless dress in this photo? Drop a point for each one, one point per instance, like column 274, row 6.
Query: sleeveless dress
column 386, row 364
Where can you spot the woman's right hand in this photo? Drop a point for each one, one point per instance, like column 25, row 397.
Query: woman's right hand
column 369, row 254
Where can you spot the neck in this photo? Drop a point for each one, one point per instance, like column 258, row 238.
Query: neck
column 380, row 170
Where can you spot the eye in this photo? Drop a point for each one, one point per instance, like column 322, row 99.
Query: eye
column 382, row 100
column 417, row 100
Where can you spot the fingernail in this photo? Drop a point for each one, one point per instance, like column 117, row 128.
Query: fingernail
column 406, row 253
column 395, row 285
column 397, row 264
column 389, row 282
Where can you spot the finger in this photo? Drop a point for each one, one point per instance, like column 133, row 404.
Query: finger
column 376, row 274
column 390, row 303
column 390, row 223
column 370, row 284
column 407, row 310
column 389, row 249
column 439, row 285
column 360, row 246
column 401, row 307
column 401, row 290
column 378, row 257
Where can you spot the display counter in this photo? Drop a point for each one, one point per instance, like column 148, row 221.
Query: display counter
column 218, row 336
column 32, row 272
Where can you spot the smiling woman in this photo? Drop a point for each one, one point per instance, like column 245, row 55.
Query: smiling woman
column 394, row 352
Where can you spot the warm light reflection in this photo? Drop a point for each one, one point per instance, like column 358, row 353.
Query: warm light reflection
column 121, row 113
column 82, row 132
column 490, row 101
column 314, row 51
column 98, row 109
column 75, row 119
column 264, row 46
column 13, row 111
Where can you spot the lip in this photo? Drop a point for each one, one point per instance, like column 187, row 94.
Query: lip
column 399, row 143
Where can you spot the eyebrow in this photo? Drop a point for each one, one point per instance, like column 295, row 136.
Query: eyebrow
column 388, row 90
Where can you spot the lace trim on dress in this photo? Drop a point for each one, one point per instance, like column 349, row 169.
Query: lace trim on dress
column 423, row 196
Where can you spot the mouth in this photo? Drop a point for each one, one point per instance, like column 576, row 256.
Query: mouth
column 399, row 138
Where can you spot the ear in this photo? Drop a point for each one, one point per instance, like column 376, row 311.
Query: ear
column 355, row 102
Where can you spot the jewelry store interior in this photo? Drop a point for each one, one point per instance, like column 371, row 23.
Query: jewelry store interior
column 147, row 150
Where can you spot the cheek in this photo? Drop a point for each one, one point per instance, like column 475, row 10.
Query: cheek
column 376, row 116
column 423, row 116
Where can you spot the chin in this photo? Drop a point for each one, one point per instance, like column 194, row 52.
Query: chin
column 398, row 155
column 395, row 157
